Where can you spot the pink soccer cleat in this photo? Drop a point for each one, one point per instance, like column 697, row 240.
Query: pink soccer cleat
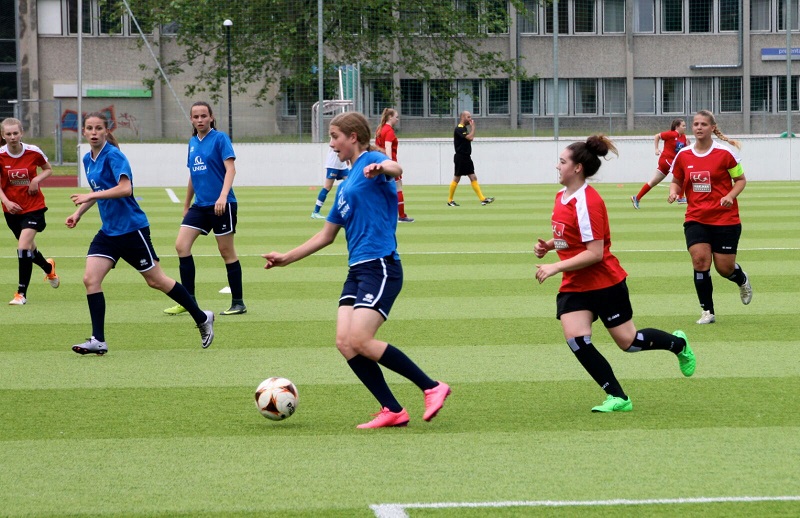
column 386, row 418
column 434, row 400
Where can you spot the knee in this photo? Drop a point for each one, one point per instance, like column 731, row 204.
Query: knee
column 343, row 345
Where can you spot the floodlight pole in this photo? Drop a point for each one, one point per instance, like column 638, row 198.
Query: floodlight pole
column 228, row 24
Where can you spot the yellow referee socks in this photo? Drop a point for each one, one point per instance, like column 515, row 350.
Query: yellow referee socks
column 477, row 189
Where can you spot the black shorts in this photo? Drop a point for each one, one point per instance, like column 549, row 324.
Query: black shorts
column 205, row 220
column 18, row 222
column 612, row 304
column 373, row 284
column 463, row 165
column 134, row 247
column 724, row 239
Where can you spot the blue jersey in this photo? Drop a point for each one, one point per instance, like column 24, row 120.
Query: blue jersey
column 206, row 163
column 367, row 209
column 119, row 215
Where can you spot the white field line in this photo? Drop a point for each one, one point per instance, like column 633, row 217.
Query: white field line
column 399, row 510
column 172, row 196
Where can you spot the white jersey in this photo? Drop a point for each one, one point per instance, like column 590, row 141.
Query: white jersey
column 333, row 161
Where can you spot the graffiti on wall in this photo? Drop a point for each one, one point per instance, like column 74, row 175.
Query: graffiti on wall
column 69, row 120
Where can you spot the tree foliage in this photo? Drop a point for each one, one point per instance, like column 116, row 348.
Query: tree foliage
column 275, row 41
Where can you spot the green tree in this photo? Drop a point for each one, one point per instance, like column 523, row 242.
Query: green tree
column 275, row 41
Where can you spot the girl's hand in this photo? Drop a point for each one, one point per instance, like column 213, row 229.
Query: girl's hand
column 544, row 271
column 540, row 248
column 274, row 259
column 12, row 207
column 373, row 170
column 727, row 201
column 72, row 220
column 78, row 199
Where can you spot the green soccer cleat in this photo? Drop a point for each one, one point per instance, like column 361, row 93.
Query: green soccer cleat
column 686, row 359
column 614, row 404
column 175, row 310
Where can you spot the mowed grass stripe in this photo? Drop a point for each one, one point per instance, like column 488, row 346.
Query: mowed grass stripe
column 160, row 368
column 226, row 473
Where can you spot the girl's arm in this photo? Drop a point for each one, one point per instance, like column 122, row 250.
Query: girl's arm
column 47, row 170
column 227, row 184
column 317, row 242
column 593, row 254
column 388, row 167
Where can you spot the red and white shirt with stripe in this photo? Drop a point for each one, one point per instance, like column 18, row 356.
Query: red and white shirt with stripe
column 16, row 173
column 578, row 219
column 706, row 178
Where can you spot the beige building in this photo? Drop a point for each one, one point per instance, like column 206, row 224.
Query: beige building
column 622, row 66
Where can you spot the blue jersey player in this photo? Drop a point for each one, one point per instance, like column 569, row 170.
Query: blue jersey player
column 125, row 233
column 211, row 167
column 366, row 207
column 335, row 169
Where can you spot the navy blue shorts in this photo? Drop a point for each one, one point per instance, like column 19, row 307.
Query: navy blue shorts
column 205, row 220
column 724, row 239
column 33, row 219
column 134, row 247
column 373, row 284
column 336, row 174
column 612, row 304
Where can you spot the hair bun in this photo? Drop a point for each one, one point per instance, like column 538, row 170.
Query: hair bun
column 597, row 144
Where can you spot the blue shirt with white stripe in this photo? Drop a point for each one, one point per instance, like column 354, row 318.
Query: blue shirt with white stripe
column 206, row 163
column 119, row 215
column 367, row 209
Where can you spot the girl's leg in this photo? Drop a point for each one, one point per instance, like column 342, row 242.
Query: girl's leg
column 96, row 270
column 701, row 263
column 227, row 250
column 577, row 327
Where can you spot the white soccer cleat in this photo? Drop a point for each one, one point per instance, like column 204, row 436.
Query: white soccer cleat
column 707, row 317
column 746, row 291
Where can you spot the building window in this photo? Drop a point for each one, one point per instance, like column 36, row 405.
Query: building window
column 100, row 17
column 469, row 96
column 529, row 97
column 497, row 96
column 782, row 15
column 760, row 15
column 583, row 19
column 380, row 96
column 563, row 17
column 729, row 15
column 701, row 16
column 702, row 94
column 672, row 95
column 585, row 96
column 412, row 101
column 644, row 16
column 782, row 93
column 730, row 94
column 761, row 94
column 614, row 96
column 613, row 16
column 528, row 20
column 644, row 96
column 549, row 97
column 440, row 97
column 671, row 15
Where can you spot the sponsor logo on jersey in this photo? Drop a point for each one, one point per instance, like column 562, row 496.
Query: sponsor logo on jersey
column 701, row 181
column 198, row 164
column 18, row 177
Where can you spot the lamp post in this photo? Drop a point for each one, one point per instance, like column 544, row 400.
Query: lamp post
column 228, row 24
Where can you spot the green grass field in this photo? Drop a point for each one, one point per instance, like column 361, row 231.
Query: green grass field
column 160, row 427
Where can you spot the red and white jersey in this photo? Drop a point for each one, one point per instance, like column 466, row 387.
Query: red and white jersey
column 387, row 135
column 17, row 173
column 578, row 219
column 673, row 142
column 706, row 179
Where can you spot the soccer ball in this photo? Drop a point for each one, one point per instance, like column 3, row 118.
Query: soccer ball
column 276, row 398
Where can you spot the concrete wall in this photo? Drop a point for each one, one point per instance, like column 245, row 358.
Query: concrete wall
column 430, row 162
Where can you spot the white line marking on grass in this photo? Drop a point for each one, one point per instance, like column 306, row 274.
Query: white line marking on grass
column 399, row 510
column 172, row 196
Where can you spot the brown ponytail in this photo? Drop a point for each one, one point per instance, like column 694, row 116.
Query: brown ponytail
column 713, row 121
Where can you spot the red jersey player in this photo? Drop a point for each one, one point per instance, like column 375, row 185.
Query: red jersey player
column 23, row 203
column 593, row 282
